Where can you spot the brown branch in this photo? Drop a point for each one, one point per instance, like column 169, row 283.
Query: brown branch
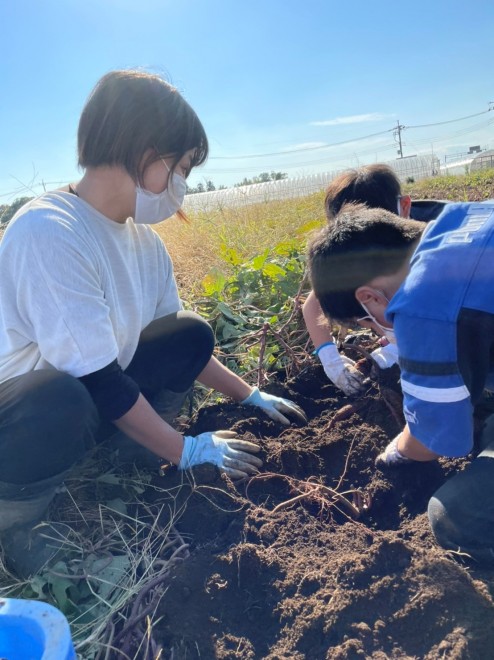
column 134, row 617
column 345, row 468
column 262, row 349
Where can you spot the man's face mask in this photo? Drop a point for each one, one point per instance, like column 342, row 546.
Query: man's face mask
column 389, row 333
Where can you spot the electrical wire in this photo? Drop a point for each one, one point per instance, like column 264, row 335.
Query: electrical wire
column 302, row 149
column 450, row 121
column 375, row 149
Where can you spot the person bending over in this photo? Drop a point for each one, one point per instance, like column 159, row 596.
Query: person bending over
column 377, row 186
column 431, row 288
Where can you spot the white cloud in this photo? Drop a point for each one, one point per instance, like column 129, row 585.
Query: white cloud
column 351, row 119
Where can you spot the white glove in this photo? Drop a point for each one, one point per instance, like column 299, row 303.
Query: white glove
column 340, row 370
column 274, row 406
column 386, row 356
column 224, row 449
column 391, row 455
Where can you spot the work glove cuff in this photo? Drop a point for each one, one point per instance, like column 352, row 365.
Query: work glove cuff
column 386, row 356
column 392, row 455
column 340, row 370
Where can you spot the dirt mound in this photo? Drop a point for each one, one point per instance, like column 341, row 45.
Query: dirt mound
column 322, row 555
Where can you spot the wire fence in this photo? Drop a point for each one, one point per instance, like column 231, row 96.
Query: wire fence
column 413, row 167
column 407, row 169
column 483, row 161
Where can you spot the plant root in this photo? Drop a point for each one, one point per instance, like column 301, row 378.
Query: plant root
column 324, row 496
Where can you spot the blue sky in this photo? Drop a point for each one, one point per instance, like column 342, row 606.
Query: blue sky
column 265, row 77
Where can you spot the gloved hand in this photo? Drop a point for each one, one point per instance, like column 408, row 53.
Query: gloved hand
column 391, row 455
column 386, row 356
column 274, row 406
column 224, row 449
column 341, row 370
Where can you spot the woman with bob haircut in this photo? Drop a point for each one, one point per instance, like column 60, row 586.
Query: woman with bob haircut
column 92, row 330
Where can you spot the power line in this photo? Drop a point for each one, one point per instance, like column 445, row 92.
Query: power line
column 302, row 149
column 396, row 131
column 307, row 163
column 456, row 134
column 450, row 121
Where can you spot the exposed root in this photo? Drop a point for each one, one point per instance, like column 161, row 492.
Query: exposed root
column 324, row 496
column 343, row 413
column 394, row 404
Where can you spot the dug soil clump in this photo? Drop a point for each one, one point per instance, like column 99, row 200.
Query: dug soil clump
column 322, row 555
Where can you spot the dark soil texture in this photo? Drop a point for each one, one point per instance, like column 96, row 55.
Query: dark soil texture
column 322, row 555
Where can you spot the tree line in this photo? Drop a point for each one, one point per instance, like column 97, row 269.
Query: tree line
column 263, row 177
column 7, row 211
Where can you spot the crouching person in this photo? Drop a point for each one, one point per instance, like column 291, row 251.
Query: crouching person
column 430, row 290
column 92, row 329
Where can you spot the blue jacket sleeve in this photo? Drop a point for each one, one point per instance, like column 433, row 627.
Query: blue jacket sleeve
column 437, row 404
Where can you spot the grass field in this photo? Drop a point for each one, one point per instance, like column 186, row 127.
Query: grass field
column 473, row 187
column 196, row 248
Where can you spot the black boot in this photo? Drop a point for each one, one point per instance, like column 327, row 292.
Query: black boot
column 168, row 404
column 128, row 452
column 25, row 541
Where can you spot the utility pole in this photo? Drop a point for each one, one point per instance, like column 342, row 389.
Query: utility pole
column 397, row 133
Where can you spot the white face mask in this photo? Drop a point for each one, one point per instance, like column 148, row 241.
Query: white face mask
column 389, row 333
column 155, row 207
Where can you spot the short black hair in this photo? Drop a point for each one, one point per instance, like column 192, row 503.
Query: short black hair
column 359, row 245
column 131, row 112
column 375, row 185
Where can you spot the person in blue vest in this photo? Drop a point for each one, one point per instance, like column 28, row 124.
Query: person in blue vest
column 430, row 290
column 376, row 186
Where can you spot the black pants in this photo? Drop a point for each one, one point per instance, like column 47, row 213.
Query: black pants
column 48, row 419
column 461, row 512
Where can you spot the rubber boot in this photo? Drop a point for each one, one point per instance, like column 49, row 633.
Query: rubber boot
column 23, row 537
column 167, row 404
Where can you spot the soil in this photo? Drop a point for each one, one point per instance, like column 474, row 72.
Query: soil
column 322, row 555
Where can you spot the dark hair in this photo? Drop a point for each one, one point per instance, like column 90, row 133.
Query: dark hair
column 358, row 246
column 131, row 112
column 377, row 186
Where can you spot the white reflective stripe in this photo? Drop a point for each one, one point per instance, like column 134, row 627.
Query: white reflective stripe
column 435, row 394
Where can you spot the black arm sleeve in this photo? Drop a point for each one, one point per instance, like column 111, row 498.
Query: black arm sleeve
column 113, row 392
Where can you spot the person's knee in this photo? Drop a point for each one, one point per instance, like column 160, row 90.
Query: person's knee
column 461, row 533
column 48, row 430
column 172, row 352
column 445, row 531
column 196, row 348
column 64, row 400
column 461, row 512
column 181, row 332
column 453, row 507
column 65, row 414
column 198, row 332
